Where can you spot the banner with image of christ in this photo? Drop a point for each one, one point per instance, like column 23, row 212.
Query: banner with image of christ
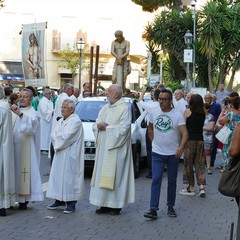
column 33, row 38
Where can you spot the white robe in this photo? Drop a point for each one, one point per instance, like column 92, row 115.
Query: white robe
column 57, row 112
column 66, row 181
column 28, row 124
column 45, row 110
column 7, row 179
column 117, row 138
column 58, row 108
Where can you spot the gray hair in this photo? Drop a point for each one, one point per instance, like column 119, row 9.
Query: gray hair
column 46, row 90
column 2, row 93
column 208, row 95
column 67, row 86
column 180, row 92
column 70, row 103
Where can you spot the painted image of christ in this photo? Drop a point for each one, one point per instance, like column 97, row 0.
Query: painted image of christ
column 33, row 59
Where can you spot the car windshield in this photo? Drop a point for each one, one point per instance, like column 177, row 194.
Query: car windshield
column 88, row 110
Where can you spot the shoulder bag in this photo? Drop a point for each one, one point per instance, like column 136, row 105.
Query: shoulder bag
column 225, row 132
column 229, row 184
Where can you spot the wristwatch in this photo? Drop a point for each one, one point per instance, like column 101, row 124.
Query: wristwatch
column 20, row 115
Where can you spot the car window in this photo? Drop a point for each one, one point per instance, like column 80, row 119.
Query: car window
column 135, row 111
column 88, row 110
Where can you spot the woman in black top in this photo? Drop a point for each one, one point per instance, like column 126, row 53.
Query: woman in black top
column 194, row 149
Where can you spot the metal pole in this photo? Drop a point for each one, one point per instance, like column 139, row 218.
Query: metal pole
column 187, row 76
column 161, row 62
column 194, row 42
column 91, row 70
column 149, row 63
column 96, row 70
column 80, row 70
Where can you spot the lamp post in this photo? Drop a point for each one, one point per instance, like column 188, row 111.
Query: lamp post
column 80, row 46
column 188, row 54
column 193, row 4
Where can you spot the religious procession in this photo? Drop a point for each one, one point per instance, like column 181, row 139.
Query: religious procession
column 180, row 126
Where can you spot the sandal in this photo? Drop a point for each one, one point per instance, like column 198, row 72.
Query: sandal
column 187, row 192
column 202, row 192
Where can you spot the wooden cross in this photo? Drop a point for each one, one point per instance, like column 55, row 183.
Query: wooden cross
column 24, row 172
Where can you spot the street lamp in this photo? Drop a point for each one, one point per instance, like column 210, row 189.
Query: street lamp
column 188, row 37
column 80, row 46
column 193, row 4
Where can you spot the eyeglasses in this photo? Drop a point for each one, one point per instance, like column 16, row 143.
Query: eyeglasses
column 163, row 99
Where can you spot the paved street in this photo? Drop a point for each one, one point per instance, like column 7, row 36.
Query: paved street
column 198, row 218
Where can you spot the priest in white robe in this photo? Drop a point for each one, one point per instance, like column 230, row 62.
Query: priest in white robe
column 66, row 93
column 7, row 180
column 112, row 184
column 26, row 139
column 66, row 181
column 45, row 110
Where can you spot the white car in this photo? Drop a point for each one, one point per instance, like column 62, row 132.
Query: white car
column 88, row 108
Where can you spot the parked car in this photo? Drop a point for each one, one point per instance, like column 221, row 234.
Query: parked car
column 88, row 108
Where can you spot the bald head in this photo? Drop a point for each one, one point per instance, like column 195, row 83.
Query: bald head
column 178, row 94
column 114, row 93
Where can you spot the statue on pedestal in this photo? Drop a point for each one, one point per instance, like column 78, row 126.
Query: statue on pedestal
column 120, row 50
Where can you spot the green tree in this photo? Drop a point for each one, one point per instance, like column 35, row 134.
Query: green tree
column 153, row 5
column 220, row 41
column 69, row 60
column 211, row 29
column 166, row 33
column 217, row 44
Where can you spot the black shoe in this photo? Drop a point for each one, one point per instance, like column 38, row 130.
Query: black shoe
column 171, row 212
column 102, row 210
column 152, row 214
column 69, row 209
column 56, row 204
column 115, row 211
column 23, row 206
column 2, row 212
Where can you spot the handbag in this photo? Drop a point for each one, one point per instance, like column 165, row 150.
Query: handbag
column 224, row 133
column 229, row 184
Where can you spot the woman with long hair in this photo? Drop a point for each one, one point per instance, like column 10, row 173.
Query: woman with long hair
column 194, row 149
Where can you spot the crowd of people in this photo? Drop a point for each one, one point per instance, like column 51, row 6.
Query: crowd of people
column 180, row 126
column 184, row 127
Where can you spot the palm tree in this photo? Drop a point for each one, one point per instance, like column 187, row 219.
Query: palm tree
column 210, row 29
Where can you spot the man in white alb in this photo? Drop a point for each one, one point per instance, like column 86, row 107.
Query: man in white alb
column 66, row 181
column 26, row 139
column 66, row 93
column 7, row 180
column 45, row 110
column 112, row 184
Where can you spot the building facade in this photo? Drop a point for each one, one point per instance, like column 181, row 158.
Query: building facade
column 66, row 22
